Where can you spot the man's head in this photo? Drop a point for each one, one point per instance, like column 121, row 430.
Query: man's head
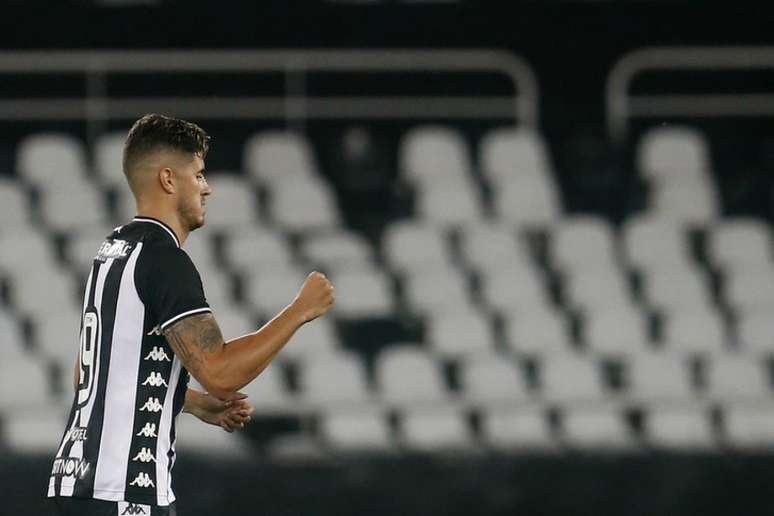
column 164, row 165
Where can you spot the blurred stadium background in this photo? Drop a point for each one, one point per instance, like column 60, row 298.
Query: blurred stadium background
column 549, row 226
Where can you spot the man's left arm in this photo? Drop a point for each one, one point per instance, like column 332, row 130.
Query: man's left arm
column 230, row 415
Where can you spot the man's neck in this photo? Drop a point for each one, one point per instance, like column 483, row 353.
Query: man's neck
column 170, row 219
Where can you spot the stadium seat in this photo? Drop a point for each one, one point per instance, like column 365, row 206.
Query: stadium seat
column 733, row 379
column 232, row 205
column 675, row 289
column 108, row 156
column 493, row 247
column 268, row 393
column 82, row 247
column 748, row 428
column 201, row 249
column 407, row 376
column 11, row 331
column 519, row 429
column 755, row 333
column 616, row 332
column 515, row 156
column 597, row 429
column 514, row 290
column 697, row 333
column 337, row 250
column 494, row 380
column 653, row 243
column 33, row 432
column 52, row 162
column 572, row 380
column 24, row 252
column 673, row 155
column 537, row 332
column 57, row 337
column 459, row 334
column 596, row 288
column 739, row 243
column 414, row 246
column 750, row 290
column 527, row 205
column 235, row 322
column 275, row 156
column 661, row 379
column 218, row 290
column 684, row 428
column 314, row 341
column 435, row 429
column 583, row 243
column 271, row 292
column 688, row 204
column 48, row 291
column 449, row 206
column 256, row 250
column 362, row 294
column 303, row 205
column 362, row 429
column 194, row 437
column 14, row 213
column 430, row 156
column 336, row 381
column 21, row 373
column 434, row 291
column 71, row 210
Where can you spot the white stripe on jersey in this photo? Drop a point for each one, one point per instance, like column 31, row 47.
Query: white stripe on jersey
column 163, row 484
column 110, row 475
column 68, row 483
column 163, row 326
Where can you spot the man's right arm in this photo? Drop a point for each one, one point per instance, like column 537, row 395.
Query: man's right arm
column 225, row 367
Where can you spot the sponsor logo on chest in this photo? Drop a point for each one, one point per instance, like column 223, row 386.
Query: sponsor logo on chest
column 118, row 249
column 70, row 467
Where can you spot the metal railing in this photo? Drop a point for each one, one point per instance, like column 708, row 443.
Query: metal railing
column 623, row 106
column 294, row 103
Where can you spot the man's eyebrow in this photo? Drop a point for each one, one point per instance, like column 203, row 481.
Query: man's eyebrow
column 202, row 171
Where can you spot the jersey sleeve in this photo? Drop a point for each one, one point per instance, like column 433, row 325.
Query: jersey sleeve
column 171, row 287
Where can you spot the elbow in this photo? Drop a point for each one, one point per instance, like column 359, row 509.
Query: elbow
column 219, row 387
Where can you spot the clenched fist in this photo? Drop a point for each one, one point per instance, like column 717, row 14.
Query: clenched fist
column 315, row 297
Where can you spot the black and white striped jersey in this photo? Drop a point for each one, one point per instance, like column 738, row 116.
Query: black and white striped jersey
column 119, row 444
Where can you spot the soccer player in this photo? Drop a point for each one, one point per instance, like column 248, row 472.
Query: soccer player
column 146, row 325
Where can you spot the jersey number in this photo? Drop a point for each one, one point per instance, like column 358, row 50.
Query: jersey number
column 88, row 356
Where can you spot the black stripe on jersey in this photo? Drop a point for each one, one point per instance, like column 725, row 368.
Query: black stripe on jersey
column 177, row 403
column 85, row 487
column 75, row 411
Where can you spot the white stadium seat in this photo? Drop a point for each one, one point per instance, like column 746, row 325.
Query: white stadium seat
column 337, row 250
column 600, row 429
column 493, row 247
column 515, row 155
column 314, row 341
column 47, row 291
column 530, row 204
column 616, row 332
column 108, row 155
column 336, row 381
column 518, row 429
column 750, row 289
column 362, row 429
column 14, row 213
column 581, row 243
column 597, row 288
column 415, row 246
column 34, row 432
column 235, row 322
column 276, row 156
column 365, row 293
column 257, row 250
column 739, row 243
column 409, row 376
column 71, row 210
column 494, row 380
column 434, row 291
column 271, row 292
column 653, row 243
column 572, row 380
column 433, row 155
column 748, row 428
column 676, row 289
column 699, row 333
column 673, row 155
column 684, row 428
column 52, row 162
column 20, row 373
column 659, row 380
column 233, row 203
column 755, row 332
column 268, row 394
column 732, row 379
column 537, row 332
column 303, row 205
column 459, row 334
column 514, row 290
column 689, row 204
column 435, row 429
column 449, row 205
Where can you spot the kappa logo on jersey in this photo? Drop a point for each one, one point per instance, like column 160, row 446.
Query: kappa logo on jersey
column 155, row 380
column 132, row 508
column 152, row 405
column 115, row 249
column 142, row 480
column 158, row 354
column 76, row 434
column 69, row 467
column 149, row 430
column 145, row 456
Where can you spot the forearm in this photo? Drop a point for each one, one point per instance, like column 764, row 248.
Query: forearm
column 242, row 359
column 193, row 400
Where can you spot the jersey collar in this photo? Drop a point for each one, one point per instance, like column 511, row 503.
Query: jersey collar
column 163, row 226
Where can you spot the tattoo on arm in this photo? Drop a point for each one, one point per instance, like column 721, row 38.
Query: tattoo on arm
column 192, row 335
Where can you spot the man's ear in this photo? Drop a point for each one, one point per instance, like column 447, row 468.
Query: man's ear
column 166, row 179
